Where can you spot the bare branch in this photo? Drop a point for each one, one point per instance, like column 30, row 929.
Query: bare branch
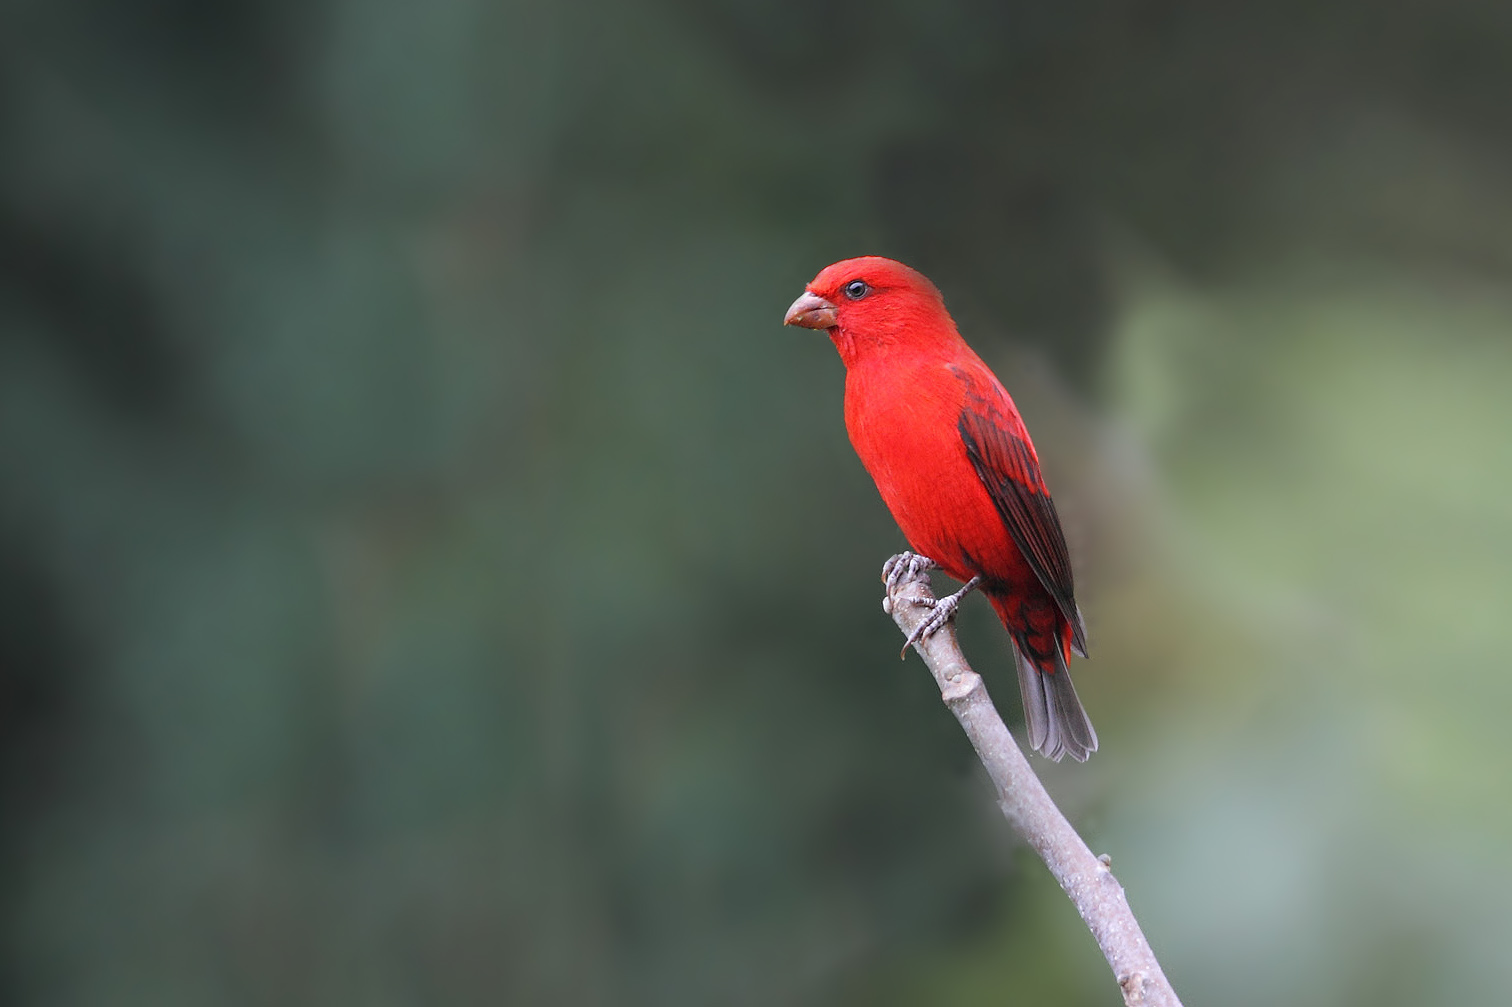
column 1096, row 893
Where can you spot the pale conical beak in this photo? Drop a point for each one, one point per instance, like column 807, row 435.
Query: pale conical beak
column 812, row 312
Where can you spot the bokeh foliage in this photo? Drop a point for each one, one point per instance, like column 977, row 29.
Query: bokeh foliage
column 431, row 575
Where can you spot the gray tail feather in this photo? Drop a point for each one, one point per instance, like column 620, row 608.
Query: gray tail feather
column 1057, row 723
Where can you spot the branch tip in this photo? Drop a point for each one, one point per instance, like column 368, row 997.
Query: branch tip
column 1022, row 798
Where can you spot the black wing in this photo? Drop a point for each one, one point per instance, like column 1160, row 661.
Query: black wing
column 999, row 449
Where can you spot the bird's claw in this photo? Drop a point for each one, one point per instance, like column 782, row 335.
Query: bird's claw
column 907, row 567
column 944, row 610
column 903, row 567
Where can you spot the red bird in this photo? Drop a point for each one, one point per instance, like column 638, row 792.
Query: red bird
column 949, row 453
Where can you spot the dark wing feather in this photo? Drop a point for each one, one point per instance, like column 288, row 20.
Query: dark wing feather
column 999, row 449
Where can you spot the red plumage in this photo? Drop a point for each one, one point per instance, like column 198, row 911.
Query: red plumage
column 950, row 455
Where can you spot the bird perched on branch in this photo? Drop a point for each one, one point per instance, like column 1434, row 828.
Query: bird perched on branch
column 951, row 457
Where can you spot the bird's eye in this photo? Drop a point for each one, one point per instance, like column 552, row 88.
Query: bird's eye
column 857, row 289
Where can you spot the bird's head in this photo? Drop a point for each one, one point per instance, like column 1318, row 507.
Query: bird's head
column 870, row 302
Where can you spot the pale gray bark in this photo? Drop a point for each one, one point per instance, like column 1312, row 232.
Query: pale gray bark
column 1096, row 893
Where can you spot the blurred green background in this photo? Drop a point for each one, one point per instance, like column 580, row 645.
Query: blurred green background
column 430, row 574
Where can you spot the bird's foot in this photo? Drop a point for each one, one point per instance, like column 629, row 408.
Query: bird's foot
column 904, row 567
column 944, row 611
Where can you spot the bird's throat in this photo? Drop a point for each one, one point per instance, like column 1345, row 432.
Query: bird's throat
column 845, row 344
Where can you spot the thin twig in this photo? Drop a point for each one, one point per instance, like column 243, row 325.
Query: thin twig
column 1096, row 893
